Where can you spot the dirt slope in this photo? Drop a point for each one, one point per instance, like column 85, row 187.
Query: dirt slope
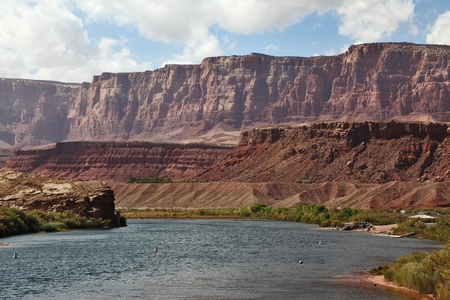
column 231, row 194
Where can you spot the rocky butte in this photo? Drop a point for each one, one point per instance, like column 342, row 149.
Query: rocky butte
column 221, row 96
column 31, row 191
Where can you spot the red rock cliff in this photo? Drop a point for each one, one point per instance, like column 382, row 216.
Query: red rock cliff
column 34, row 113
column 370, row 152
column 117, row 161
column 377, row 81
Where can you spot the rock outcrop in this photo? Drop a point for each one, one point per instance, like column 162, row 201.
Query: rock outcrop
column 370, row 152
column 32, row 191
column 377, row 81
column 5, row 154
column 117, row 161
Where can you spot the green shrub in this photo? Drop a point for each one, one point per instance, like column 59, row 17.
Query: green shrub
column 244, row 212
column 15, row 221
column 154, row 179
column 347, row 212
column 257, row 207
column 52, row 227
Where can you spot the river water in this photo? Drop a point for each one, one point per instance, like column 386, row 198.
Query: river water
column 197, row 259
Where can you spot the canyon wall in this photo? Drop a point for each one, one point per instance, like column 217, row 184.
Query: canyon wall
column 369, row 152
column 34, row 113
column 117, row 161
column 377, row 81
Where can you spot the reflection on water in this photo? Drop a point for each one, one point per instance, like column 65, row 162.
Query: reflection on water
column 197, row 259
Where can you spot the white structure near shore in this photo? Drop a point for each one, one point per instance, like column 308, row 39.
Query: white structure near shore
column 423, row 218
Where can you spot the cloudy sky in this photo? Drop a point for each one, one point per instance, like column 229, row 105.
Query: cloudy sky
column 72, row 40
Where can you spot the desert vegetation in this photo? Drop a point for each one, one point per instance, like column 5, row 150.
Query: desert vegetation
column 153, row 179
column 15, row 221
column 427, row 273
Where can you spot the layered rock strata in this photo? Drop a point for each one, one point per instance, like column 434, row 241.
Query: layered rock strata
column 33, row 112
column 5, row 154
column 377, row 81
column 370, row 152
column 117, row 161
column 32, row 191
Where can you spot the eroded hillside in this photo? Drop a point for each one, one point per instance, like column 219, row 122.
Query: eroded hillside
column 391, row 195
column 369, row 152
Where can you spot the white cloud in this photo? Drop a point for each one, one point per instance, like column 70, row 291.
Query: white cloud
column 271, row 47
column 317, row 26
column 196, row 50
column 440, row 31
column 188, row 22
column 252, row 16
column 374, row 20
column 330, row 52
column 111, row 56
column 45, row 40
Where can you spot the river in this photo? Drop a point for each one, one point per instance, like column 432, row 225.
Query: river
column 197, row 259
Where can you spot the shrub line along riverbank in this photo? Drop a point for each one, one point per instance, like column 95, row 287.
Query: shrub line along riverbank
column 14, row 221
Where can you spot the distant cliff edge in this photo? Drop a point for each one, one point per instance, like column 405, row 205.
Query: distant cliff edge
column 224, row 95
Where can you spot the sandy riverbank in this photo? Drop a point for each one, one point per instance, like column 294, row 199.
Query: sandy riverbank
column 378, row 281
column 365, row 279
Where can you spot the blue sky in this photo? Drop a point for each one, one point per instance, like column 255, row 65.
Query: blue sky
column 72, row 40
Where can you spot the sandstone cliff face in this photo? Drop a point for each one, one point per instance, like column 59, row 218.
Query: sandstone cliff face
column 386, row 81
column 32, row 191
column 371, row 152
column 230, row 93
column 34, row 113
column 117, row 161
column 179, row 102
